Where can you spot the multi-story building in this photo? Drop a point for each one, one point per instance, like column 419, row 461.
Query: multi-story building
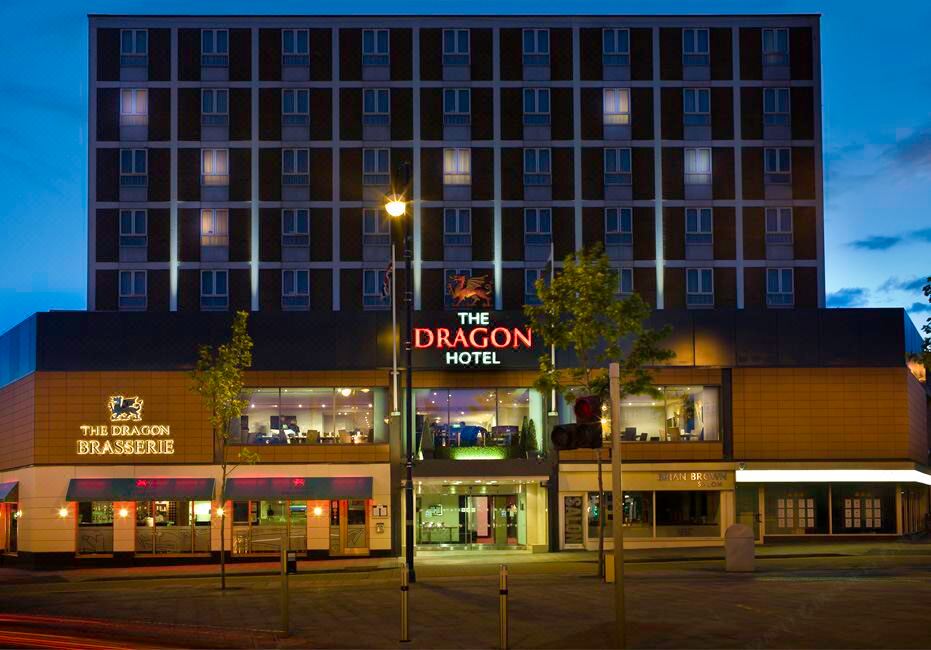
column 242, row 163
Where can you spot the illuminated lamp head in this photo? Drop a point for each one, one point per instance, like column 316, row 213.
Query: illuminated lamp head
column 395, row 205
column 124, row 513
column 62, row 512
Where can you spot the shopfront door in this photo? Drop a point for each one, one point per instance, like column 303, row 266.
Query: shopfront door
column 748, row 508
column 349, row 527
column 10, row 520
column 490, row 520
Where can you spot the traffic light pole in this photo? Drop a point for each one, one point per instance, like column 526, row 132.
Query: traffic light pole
column 617, row 490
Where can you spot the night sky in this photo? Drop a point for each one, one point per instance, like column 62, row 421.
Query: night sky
column 877, row 136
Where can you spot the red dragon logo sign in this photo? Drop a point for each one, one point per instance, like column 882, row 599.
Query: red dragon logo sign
column 470, row 292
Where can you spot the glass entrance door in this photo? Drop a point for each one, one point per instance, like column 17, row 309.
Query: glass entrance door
column 349, row 527
column 490, row 520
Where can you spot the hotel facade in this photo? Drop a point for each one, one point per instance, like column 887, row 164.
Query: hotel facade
column 242, row 163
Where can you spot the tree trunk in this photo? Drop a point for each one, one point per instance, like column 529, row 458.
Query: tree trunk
column 223, row 529
column 602, row 512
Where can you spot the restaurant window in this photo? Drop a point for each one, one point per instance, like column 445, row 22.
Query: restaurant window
column 858, row 509
column 698, row 225
column 295, row 106
column 481, row 423
column 457, row 106
column 260, row 526
column 375, row 47
column 457, row 166
column 777, row 165
column 536, row 47
column 615, row 46
column 95, row 527
column 214, row 290
column 699, row 287
column 695, row 47
column 295, row 289
column 796, row 509
column 214, row 47
column 616, row 106
column 780, row 289
column 638, row 514
column 375, row 227
column 173, row 527
column 696, row 106
column 134, row 47
column 295, row 47
column 295, row 227
column 300, row 416
column 133, row 167
column 375, row 290
column 688, row 514
column 675, row 414
column 536, row 106
column 455, row 47
column 778, row 225
column 618, row 227
column 214, row 107
column 457, row 226
column 134, row 107
column 133, row 228
column 132, row 290
column 214, row 167
column 537, row 170
column 617, row 166
column 538, row 226
column 776, row 46
column 698, row 166
column 214, row 227
column 375, row 106
column 375, row 166
column 776, row 106
column 295, row 166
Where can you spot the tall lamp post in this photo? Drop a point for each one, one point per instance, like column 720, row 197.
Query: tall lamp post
column 396, row 207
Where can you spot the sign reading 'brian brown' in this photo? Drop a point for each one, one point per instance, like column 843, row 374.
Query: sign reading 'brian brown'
column 125, row 439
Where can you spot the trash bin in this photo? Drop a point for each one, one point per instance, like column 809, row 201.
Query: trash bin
column 739, row 548
column 291, row 562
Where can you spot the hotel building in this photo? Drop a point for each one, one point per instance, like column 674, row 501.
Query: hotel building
column 242, row 163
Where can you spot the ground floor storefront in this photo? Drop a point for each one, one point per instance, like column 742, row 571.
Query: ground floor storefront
column 133, row 513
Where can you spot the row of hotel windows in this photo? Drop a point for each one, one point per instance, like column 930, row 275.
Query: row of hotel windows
column 295, row 287
column 457, row 166
column 457, row 227
column 457, row 106
column 295, row 47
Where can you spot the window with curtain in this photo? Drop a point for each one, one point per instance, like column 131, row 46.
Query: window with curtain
column 214, row 227
column 457, row 166
column 698, row 166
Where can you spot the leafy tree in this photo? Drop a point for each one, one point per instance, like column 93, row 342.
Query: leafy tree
column 530, row 438
column 218, row 378
column 580, row 310
column 926, row 328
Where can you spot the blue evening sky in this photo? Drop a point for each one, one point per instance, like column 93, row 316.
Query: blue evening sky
column 877, row 135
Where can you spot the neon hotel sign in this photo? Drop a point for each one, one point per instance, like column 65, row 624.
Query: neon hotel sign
column 476, row 341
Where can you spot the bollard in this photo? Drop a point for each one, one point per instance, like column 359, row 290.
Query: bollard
column 285, row 622
column 503, row 607
column 405, row 619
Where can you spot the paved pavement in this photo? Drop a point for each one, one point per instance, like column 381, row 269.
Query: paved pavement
column 841, row 597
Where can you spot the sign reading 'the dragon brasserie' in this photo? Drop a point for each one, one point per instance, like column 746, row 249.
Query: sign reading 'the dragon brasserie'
column 476, row 341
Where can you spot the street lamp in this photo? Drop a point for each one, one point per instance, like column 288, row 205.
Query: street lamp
column 396, row 206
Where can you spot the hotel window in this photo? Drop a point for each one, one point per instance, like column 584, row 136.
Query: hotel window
column 625, row 281
column 214, row 107
column 778, row 225
column 133, row 165
column 777, row 165
column 214, row 227
column 134, row 47
column 133, row 228
column 375, row 47
column 537, row 169
column 457, row 106
column 375, row 103
column 780, row 289
column 615, row 46
column 455, row 47
column 699, row 287
column 214, row 290
column 375, row 166
column 618, row 227
column 776, row 106
column 696, row 106
column 530, row 285
column 457, row 227
column 616, row 106
column 776, row 46
column 536, row 106
column 214, row 167
column 698, row 225
column 676, row 414
column 295, row 47
column 698, row 166
column 457, row 166
column 134, row 107
column 295, row 289
column 295, row 166
column 538, row 226
column 536, row 47
column 375, row 293
column 375, row 227
column 214, row 47
column 132, row 290
column 695, row 47
column 617, row 166
column 295, row 227
column 295, row 106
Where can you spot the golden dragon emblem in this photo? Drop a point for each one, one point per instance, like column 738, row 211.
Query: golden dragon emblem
column 471, row 292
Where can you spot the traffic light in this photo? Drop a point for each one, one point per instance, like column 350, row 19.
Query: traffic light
column 586, row 432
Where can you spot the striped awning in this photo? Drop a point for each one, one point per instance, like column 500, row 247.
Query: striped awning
column 299, row 487
column 9, row 491
column 140, row 489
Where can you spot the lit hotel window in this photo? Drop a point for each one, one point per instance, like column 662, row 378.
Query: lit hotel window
column 616, row 106
column 698, row 166
column 134, row 107
column 457, row 166
column 214, row 167
column 214, row 227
